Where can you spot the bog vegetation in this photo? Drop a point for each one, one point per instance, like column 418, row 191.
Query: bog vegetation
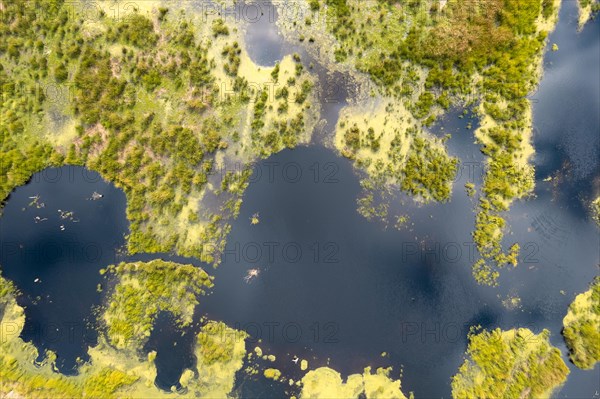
column 430, row 56
column 582, row 327
column 595, row 211
column 143, row 290
column 118, row 368
column 325, row 382
column 509, row 364
column 152, row 100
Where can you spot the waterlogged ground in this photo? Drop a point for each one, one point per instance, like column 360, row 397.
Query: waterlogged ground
column 314, row 278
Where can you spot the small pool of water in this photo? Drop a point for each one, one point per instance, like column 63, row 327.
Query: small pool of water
column 174, row 348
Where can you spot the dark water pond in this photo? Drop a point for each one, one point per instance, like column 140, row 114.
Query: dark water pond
column 54, row 258
column 174, row 350
column 332, row 287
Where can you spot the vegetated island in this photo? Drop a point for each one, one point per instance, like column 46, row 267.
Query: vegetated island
column 509, row 364
column 117, row 367
column 327, row 383
column 581, row 327
column 418, row 59
column 163, row 102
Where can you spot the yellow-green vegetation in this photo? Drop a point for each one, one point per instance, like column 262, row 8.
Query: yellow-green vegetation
column 220, row 354
column 110, row 372
column 22, row 376
column 582, row 327
column 511, row 302
column 470, row 189
column 509, row 364
column 327, row 383
column 303, row 364
column 272, row 374
column 428, row 56
column 106, row 380
column 595, row 211
column 158, row 100
column 143, row 290
column 587, row 10
column 383, row 138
